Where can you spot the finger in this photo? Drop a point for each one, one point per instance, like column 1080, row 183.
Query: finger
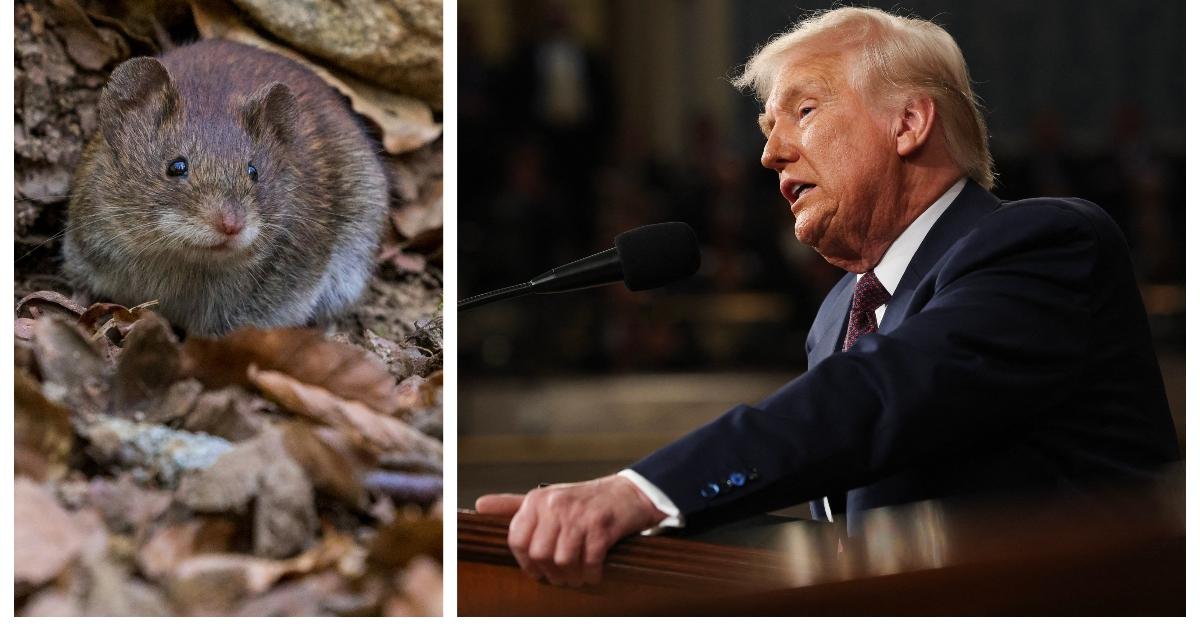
column 568, row 554
column 541, row 549
column 499, row 504
column 595, row 548
column 520, row 531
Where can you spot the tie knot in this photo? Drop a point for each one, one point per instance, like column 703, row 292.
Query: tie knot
column 869, row 293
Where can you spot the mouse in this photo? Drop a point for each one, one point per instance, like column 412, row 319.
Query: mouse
column 232, row 185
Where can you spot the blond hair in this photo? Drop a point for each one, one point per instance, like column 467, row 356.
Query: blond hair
column 899, row 57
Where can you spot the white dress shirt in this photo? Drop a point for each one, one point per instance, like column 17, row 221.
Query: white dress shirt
column 889, row 270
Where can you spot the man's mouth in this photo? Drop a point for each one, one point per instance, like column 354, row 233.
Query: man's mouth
column 794, row 190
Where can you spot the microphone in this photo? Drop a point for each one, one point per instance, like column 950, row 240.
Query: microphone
column 648, row 257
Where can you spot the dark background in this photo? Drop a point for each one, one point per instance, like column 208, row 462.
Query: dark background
column 1081, row 98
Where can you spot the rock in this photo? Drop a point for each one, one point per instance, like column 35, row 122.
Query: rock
column 153, row 450
column 396, row 45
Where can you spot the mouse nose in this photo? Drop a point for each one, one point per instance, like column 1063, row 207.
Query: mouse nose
column 230, row 219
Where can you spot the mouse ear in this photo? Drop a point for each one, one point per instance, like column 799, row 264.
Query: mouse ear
column 139, row 92
column 270, row 112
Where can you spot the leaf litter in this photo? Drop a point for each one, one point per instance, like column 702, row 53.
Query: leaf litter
column 221, row 475
column 156, row 475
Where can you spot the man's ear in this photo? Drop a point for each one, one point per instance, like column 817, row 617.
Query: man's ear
column 915, row 124
column 270, row 113
column 139, row 92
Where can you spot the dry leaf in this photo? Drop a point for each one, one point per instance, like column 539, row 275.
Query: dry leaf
column 407, row 123
column 400, row 541
column 173, row 544
column 423, row 216
column 85, row 44
column 421, row 488
column 71, row 363
column 383, row 431
column 419, row 392
column 43, row 431
column 179, row 401
column 111, row 592
column 23, row 328
column 332, row 460
column 305, row 354
column 50, row 296
column 215, row 582
column 148, row 365
column 284, row 516
column 231, row 413
column 52, row 603
column 45, row 537
column 303, row 597
column 421, row 587
column 402, row 360
column 127, row 508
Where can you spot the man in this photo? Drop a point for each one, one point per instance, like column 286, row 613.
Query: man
column 974, row 347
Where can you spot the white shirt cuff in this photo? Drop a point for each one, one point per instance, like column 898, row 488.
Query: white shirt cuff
column 658, row 498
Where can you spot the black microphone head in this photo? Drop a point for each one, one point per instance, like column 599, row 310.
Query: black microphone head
column 656, row 255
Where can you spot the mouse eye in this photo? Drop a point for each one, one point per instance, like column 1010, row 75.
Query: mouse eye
column 252, row 171
column 177, row 168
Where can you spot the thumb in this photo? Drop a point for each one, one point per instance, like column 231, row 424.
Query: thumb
column 499, row 504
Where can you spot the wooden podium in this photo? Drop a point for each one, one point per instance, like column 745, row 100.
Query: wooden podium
column 1120, row 556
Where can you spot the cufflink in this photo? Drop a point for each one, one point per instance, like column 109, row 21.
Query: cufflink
column 736, row 479
column 710, row 490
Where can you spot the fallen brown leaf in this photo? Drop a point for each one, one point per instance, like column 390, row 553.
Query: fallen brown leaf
column 43, row 434
column 305, row 354
column 67, row 359
column 332, row 460
column 86, row 45
column 45, row 537
column 213, row 583
column 258, row 470
column 111, row 592
column 383, row 431
column 420, row 392
column 127, row 508
column 420, row 588
column 231, row 413
column 402, row 360
column 147, row 366
column 406, row 538
column 302, row 597
column 50, row 296
column 171, row 545
column 23, row 328
column 422, row 216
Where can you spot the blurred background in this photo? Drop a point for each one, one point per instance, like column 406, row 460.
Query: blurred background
column 582, row 119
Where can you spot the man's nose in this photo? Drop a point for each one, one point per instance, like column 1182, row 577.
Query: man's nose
column 778, row 152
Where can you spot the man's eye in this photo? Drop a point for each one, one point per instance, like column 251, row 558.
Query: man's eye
column 804, row 111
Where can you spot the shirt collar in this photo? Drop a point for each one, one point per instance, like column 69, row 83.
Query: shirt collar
column 891, row 268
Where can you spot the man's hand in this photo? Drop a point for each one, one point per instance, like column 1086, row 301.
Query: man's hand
column 562, row 532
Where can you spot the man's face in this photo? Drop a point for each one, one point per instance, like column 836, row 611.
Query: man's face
column 836, row 158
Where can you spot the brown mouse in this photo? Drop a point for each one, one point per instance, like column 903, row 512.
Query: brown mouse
column 232, row 185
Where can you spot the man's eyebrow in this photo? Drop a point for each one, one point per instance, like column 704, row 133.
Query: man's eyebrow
column 805, row 87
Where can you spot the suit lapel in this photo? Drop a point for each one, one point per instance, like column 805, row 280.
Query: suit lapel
column 832, row 322
column 972, row 204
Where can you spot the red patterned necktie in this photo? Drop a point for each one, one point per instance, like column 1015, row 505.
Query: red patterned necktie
column 868, row 295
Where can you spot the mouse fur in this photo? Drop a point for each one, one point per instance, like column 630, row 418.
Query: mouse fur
column 218, row 249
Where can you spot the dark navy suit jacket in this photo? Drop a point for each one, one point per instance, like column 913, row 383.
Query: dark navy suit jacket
column 1014, row 356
